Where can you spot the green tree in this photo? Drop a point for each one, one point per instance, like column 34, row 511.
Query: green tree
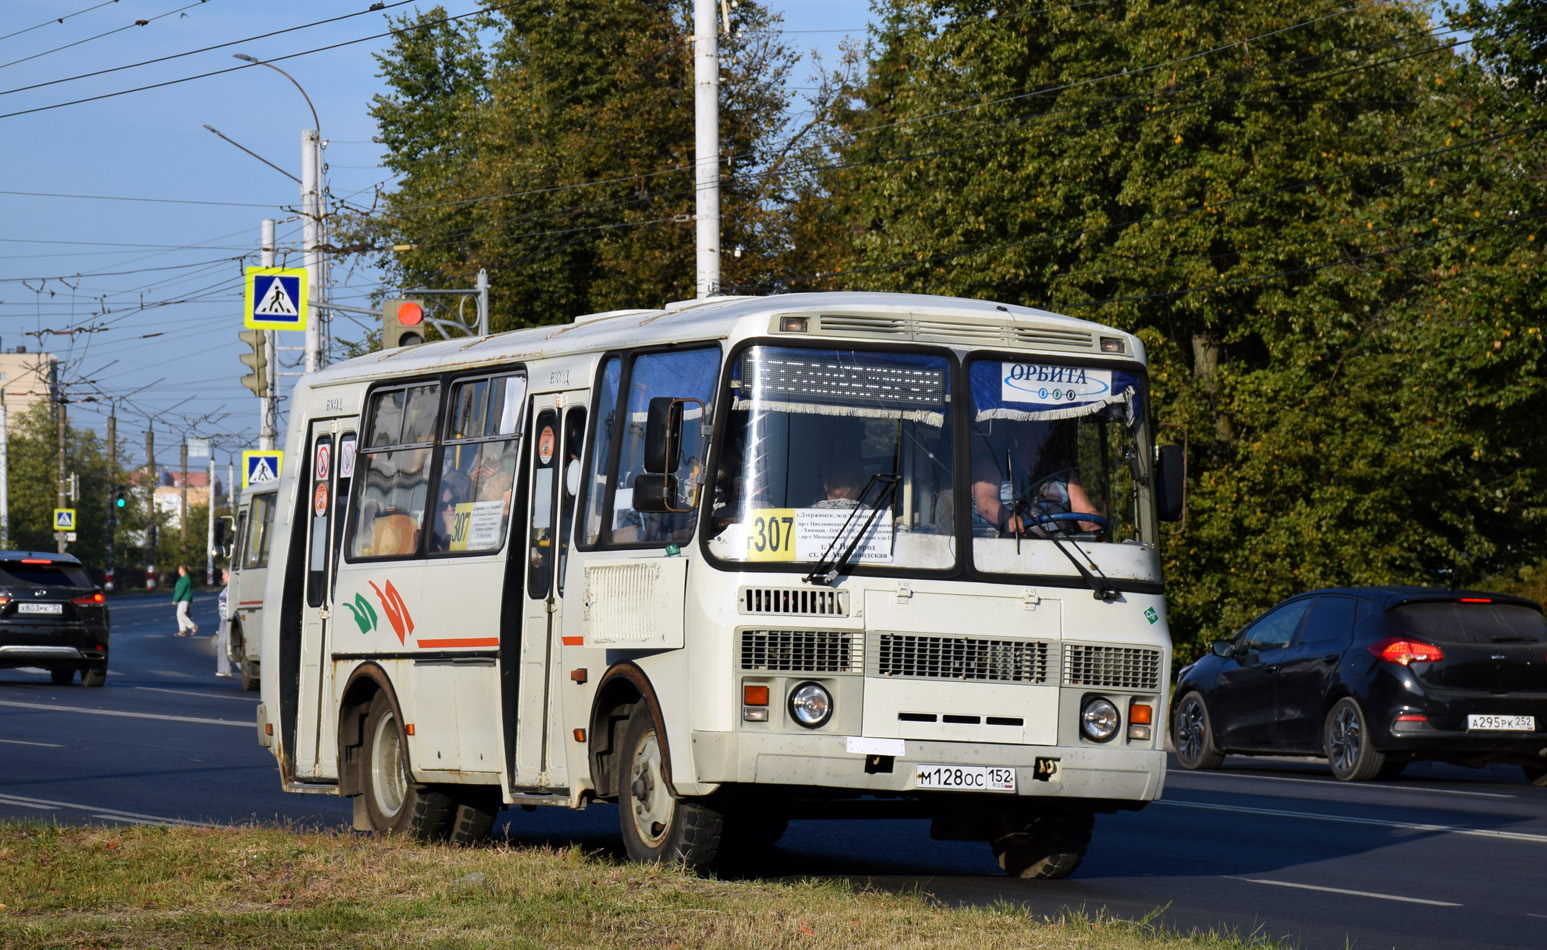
column 32, row 472
column 552, row 144
column 1310, row 213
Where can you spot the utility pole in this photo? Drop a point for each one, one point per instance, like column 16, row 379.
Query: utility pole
column 182, row 533
column 150, row 529
column 63, row 467
column 209, row 525
column 311, row 231
column 706, row 143
column 5, row 481
column 112, row 480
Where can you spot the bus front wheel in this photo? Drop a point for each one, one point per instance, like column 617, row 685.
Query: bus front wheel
column 659, row 827
column 1051, row 845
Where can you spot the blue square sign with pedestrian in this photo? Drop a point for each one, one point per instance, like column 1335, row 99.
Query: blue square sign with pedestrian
column 276, row 299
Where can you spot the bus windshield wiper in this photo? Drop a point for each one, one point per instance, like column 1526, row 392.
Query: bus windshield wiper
column 826, row 570
column 1051, row 530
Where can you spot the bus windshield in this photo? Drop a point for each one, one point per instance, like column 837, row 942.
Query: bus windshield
column 816, row 440
column 1057, row 451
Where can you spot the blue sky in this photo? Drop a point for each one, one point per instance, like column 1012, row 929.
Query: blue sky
column 122, row 218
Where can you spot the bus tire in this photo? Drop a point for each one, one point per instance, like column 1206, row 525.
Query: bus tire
column 658, row 827
column 472, row 815
column 393, row 803
column 249, row 675
column 1051, row 846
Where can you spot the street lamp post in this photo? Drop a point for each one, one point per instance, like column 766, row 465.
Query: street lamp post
column 311, row 214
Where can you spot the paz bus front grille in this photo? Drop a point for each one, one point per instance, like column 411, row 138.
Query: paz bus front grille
column 961, row 658
column 1111, row 667
column 794, row 601
column 802, row 651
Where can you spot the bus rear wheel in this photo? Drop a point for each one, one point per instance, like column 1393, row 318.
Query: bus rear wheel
column 1051, row 845
column 659, row 827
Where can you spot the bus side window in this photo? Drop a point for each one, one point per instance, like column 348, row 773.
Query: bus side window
column 389, row 493
column 686, row 374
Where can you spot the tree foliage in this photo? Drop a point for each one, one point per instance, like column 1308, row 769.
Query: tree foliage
column 552, row 144
column 1323, row 219
column 1313, row 213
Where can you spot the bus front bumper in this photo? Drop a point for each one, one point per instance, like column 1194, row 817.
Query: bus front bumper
column 1110, row 772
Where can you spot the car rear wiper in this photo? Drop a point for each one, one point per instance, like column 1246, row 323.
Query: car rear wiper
column 826, row 571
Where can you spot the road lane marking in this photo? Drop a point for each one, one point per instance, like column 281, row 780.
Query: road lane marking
column 1349, row 893
column 99, row 812
column 1376, row 822
column 184, row 692
column 41, row 745
column 132, row 715
column 1383, row 786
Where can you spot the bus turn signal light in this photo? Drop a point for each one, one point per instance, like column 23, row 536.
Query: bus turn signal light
column 1140, row 716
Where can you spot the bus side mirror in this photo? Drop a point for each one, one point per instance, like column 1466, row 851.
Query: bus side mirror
column 655, row 493
column 1171, row 482
column 663, row 436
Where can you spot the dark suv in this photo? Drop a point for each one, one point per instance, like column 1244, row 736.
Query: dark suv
column 1374, row 678
column 52, row 616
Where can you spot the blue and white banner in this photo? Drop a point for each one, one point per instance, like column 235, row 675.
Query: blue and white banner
column 1044, row 391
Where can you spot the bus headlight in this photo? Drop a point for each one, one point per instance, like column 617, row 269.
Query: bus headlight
column 1099, row 719
column 811, row 705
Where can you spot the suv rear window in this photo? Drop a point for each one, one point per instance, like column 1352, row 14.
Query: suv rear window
column 1456, row 622
column 20, row 574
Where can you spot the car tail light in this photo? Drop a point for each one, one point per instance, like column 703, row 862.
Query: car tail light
column 90, row 600
column 4, row 600
column 1399, row 650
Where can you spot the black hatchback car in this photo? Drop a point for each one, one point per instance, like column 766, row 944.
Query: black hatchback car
column 1373, row 678
column 52, row 616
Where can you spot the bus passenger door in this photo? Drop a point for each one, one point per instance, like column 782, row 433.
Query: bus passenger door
column 552, row 454
column 314, row 753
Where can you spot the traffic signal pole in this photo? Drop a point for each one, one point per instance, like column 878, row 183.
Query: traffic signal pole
column 266, row 397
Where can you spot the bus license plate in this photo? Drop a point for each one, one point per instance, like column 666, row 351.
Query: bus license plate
column 39, row 608
column 967, row 778
column 1500, row 723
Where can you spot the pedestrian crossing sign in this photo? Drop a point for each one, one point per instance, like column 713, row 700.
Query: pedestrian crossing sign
column 276, row 299
column 261, row 469
column 64, row 519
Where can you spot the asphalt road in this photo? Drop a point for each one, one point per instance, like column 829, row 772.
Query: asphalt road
column 1441, row 858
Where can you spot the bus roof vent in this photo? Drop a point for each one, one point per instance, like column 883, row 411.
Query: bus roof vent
column 1056, row 338
column 794, row 602
column 864, row 325
column 941, row 331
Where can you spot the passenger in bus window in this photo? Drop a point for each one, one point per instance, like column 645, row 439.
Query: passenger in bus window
column 492, row 479
column 1033, row 474
column 843, row 481
column 455, row 489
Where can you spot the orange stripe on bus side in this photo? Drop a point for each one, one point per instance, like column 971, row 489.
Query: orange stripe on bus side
column 574, row 641
column 474, row 642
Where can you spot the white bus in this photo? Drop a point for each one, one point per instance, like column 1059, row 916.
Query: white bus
column 726, row 563
column 250, row 544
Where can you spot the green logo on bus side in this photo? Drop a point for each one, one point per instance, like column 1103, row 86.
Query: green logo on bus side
column 365, row 614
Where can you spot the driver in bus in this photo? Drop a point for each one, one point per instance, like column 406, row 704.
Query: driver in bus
column 1037, row 476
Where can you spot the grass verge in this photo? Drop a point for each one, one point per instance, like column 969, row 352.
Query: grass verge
column 153, row 887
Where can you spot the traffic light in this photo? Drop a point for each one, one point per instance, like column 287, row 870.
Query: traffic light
column 258, row 359
column 402, row 322
column 120, row 498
